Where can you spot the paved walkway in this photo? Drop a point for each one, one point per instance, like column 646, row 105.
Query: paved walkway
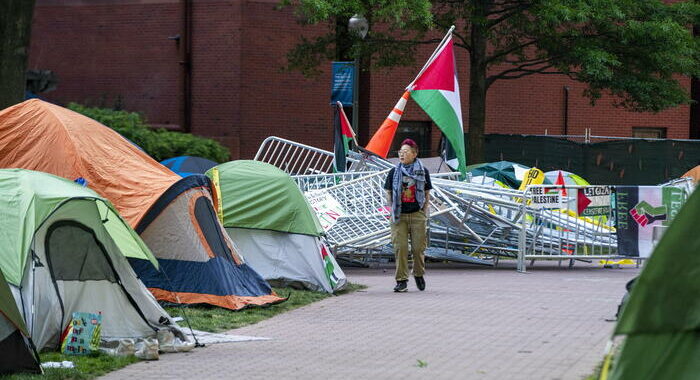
column 470, row 323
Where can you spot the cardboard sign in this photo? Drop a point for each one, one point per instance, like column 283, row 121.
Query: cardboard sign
column 600, row 201
column 82, row 336
column 327, row 208
column 543, row 197
column 533, row 176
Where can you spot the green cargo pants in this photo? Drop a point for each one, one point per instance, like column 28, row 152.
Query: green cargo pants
column 413, row 225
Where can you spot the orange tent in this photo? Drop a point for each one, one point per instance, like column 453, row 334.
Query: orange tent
column 693, row 173
column 32, row 132
column 174, row 216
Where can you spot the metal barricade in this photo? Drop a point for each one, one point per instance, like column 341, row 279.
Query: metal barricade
column 300, row 159
column 478, row 221
column 483, row 221
column 312, row 182
column 355, row 215
column 551, row 227
column 294, row 158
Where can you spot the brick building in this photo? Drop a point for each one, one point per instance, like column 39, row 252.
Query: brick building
column 214, row 68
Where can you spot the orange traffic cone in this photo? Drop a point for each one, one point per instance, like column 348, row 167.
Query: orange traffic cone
column 381, row 141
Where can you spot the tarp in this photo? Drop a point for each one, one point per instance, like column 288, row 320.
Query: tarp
column 259, row 195
column 31, row 131
column 662, row 316
column 27, row 198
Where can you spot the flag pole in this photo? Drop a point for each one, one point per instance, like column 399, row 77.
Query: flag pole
column 430, row 60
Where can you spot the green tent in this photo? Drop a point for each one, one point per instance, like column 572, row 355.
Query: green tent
column 507, row 172
column 275, row 228
column 28, row 198
column 18, row 353
column 258, row 195
column 63, row 249
column 662, row 316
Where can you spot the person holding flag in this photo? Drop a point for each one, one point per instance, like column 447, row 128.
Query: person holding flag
column 408, row 188
column 436, row 90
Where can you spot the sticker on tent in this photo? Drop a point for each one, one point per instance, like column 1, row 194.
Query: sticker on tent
column 328, row 210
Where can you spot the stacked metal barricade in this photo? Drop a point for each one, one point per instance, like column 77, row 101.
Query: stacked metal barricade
column 468, row 222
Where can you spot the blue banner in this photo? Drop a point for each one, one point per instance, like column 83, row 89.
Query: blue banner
column 342, row 83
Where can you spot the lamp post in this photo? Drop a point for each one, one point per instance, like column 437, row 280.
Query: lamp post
column 359, row 26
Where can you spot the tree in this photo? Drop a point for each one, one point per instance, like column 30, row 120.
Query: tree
column 15, row 27
column 634, row 50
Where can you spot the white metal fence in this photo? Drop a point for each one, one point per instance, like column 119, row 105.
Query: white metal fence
column 354, row 212
column 471, row 220
column 299, row 159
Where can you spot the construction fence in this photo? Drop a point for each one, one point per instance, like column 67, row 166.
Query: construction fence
column 479, row 223
column 600, row 159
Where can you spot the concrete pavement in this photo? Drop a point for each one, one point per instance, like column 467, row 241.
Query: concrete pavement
column 470, row 323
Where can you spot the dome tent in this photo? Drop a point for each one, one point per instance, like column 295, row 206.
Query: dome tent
column 508, row 173
column 188, row 165
column 64, row 249
column 173, row 215
column 275, row 227
column 661, row 318
column 19, row 353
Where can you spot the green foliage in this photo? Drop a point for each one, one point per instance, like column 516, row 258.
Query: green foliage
column 216, row 319
column 86, row 367
column 632, row 49
column 158, row 143
column 406, row 19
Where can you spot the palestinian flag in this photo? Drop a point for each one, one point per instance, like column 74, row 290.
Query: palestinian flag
column 329, row 267
column 449, row 156
column 343, row 134
column 381, row 141
column 436, row 90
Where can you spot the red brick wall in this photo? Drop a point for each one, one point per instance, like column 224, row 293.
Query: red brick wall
column 104, row 49
column 275, row 102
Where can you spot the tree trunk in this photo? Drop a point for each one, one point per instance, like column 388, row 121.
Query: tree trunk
column 477, row 89
column 15, row 27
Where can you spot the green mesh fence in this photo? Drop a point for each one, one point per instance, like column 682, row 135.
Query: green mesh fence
column 615, row 162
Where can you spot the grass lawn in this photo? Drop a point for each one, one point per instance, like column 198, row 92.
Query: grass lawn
column 204, row 318
column 214, row 319
column 86, row 367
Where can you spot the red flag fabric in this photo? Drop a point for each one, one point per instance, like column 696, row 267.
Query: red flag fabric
column 560, row 181
column 583, row 201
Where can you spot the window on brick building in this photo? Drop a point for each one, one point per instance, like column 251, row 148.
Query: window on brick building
column 649, row 132
column 418, row 131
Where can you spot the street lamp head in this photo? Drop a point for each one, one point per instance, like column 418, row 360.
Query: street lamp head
column 358, row 25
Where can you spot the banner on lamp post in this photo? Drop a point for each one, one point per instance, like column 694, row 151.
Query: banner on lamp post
column 342, row 83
